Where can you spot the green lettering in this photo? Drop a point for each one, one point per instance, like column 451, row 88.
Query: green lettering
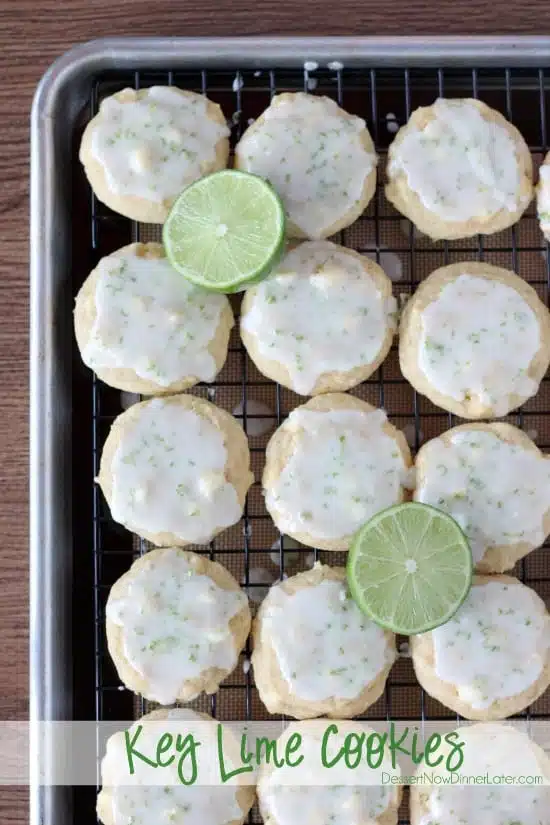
column 417, row 757
column 395, row 746
column 131, row 751
column 455, row 758
column 246, row 756
column 164, row 744
column 353, row 745
column 187, row 747
column 226, row 775
column 326, row 763
column 294, row 743
column 378, row 751
column 270, row 752
column 432, row 745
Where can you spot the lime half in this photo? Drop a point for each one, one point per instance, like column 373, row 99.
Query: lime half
column 226, row 231
column 410, row 568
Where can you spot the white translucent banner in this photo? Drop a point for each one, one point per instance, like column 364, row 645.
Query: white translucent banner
column 179, row 747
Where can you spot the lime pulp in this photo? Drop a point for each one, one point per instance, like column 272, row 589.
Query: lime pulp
column 410, row 568
column 226, row 231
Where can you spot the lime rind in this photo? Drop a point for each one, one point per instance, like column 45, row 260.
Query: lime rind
column 415, row 601
column 226, row 231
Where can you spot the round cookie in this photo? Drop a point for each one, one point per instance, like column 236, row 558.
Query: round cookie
column 459, row 168
column 320, row 159
column 144, row 147
column 495, row 482
column 143, row 328
column 315, row 653
column 145, row 799
column 489, row 750
column 334, row 463
column 543, row 197
column 176, row 623
column 492, row 659
column 175, row 470
column 475, row 339
column 322, row 796
column 322, row 322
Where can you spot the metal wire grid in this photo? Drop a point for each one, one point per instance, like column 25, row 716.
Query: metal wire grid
column 381, row 97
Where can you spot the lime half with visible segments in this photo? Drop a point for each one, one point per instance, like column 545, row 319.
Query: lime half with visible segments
column 226, row 231
column 410, row 568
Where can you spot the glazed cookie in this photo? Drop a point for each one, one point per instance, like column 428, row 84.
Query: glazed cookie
column 543, row 197
column 320, row 159
column 323, row 322
column 145, row 800
column 334, row 463
column 284, row 791
column 342, row 804
column 176, row 623
column 315, row 653
column 175, row 470
column 459, row 168
column 492, row 659
column 495, row 483
column 475, row 339
column 143, row 147
column 143, row 328
column 494, row 751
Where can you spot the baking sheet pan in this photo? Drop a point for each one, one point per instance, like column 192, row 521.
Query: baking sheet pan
column 74, row 555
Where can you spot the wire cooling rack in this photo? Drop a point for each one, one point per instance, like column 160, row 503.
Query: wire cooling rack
column 253, row 549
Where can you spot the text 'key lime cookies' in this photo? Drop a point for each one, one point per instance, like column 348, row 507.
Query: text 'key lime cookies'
column 175, row 470
column 492, row 659
column 320, row 159
column 330, row 466
column 315, row 653
column 459, row 168
column 323, row 321
column 475, row 339
column 143, row 328
column 143, row 147
column 176, row 623
column 495, row 482
column 226, row 231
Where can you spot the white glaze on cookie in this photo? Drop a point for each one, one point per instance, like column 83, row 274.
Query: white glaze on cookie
column 335, row 804
column 543, row 199
column 498, row 492
column 495, row 646
column 343, row 470
column 478, row 339
column 151, row 320
column 175, row 624
column 313, row 155
column 495, row 805
column 174, row 804
column 155, row 145
column 493, row 751
column 460, row 165
column 320, row 312
column 168, row 475
column 325, row 647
